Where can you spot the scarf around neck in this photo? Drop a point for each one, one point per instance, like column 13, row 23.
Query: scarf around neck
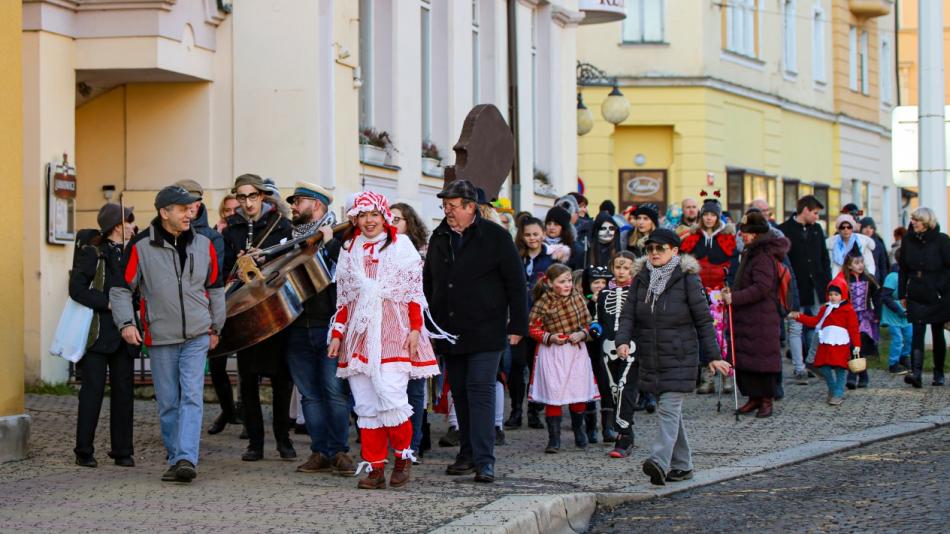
column 841, row 248
column 659, row 277
column 301, row 230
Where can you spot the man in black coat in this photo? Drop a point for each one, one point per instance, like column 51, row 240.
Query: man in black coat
column 811, row 266
column 476, row 289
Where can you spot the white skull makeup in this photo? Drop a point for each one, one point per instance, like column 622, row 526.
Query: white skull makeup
column 606, row 233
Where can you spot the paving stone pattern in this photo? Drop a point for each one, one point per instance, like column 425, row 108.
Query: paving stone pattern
column 897, row 485
column 47, row 492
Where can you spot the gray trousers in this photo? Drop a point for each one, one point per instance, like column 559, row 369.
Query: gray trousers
column 670, row 449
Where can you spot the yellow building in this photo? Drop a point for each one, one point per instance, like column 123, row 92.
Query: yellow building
column 907, row 38
column 14, row 423
column 738, row 96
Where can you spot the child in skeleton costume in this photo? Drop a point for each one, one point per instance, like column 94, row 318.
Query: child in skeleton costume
column 595, row 280
column 713, row 243
column 621, row 382
column 559, row 322
column 379, row 335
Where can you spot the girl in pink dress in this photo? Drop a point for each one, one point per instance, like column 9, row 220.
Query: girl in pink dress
column 559, row 322
column 379, row 335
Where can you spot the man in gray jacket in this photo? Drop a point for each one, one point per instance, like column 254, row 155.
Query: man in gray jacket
column 181, row 312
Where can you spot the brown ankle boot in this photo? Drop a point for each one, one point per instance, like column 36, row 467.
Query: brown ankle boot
column 765, row 409
column 751, row 405
column 376, row 479
column 400, row 476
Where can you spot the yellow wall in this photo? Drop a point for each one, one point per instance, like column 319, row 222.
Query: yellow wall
column 11, row 218
column 907, row 47
column 854, row 103
column 692, row 131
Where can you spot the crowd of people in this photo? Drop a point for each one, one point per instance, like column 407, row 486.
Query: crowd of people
column 606, row 314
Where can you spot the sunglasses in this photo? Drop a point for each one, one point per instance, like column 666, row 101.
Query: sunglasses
column 242, row 198
column 655, row 249
column 845, row 227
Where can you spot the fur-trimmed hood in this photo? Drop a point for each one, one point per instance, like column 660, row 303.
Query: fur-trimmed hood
column 727, row 229
column 688, row 265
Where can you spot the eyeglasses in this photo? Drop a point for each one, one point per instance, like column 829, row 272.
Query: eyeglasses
column 655, row 249
column 447, row 207
column 845, row 227
column 242, row 198
column 397, row 220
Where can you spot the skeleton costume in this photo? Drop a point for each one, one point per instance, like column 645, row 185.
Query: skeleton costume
column 379, row 302
column 621, row 376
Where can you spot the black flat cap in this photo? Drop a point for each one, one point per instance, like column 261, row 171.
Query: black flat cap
column 174, row 194
column 662, row 236
column 110, row 216
column 460, row 189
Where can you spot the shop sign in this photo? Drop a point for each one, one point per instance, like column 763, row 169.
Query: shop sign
column 61, row 202
column 601, row 11
column 642, row 186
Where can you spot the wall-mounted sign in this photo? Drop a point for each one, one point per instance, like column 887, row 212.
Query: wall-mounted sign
column 641, row 186
column 600, row 11
column 61, row 202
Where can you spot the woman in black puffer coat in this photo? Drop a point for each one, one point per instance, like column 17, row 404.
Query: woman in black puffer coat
column 924, row 286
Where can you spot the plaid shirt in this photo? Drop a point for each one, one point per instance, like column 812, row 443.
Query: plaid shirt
column 553, row 314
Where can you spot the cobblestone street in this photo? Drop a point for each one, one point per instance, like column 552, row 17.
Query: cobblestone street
column 897, row 485
column 48, row 493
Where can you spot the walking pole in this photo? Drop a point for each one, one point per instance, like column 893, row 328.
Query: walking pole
column 718, row 392
column 732, row 349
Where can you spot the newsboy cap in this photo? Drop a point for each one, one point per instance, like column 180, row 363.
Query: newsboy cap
column 663, row 236
column 459, row 189
column 110, row 216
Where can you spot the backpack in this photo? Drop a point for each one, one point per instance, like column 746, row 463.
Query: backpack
column 784, row 276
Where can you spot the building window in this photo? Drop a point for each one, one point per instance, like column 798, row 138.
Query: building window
column 865, row 80
column 366, row 63
column 788, row 23
column 476, row 56
column 790, row 197
column 822, row 193
column 744, row 186
column 853, row 68
column 885, row 71
column 426, row 38
column 644, row 22
column 742, row 27
column 818, row 45
column 534, row 85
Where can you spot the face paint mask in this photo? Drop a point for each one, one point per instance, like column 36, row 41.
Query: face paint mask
column 606, row 233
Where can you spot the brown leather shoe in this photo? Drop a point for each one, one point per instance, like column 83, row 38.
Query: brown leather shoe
column 765, row 410
column 317, row 463
column 400, row 476
column 376, row 479
column 751, row 405
column 343, row 464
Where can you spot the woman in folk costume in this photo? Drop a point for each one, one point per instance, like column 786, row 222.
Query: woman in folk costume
column 379, row 335
column 559, row 322
column 713, row 243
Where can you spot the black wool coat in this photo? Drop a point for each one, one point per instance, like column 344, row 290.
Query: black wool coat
column 80, row 279
column 924, row 278
column 669, row 335
column 809, row 258
column 478, row 293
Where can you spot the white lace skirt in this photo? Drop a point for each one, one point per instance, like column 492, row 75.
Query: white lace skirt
column 562, row 374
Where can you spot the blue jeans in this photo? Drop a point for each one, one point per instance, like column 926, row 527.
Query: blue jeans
column 416, row 390
column 900, row 342
column 795, row 343
column 323, row 399
column 834, row 378
column 178, row 374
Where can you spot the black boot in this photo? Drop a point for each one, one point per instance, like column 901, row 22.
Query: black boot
column 590, row 423
column 938, row 378
column 514, row 420
column 917, row 364
column 554, row 433
column 607, row 425
column 577, row 425
column 534, row 415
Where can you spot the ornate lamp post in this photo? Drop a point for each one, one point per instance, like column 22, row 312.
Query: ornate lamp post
column 615, row 108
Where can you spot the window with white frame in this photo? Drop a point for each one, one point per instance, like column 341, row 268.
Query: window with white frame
column 476, row 56
column 644, row 22
column 742, row 27
column 426, row 41
column 818, row 45
column 885, row 70
column 366, row 63
column 865, row 80
column 534, row 85
column 790, row 56
column 853, row 67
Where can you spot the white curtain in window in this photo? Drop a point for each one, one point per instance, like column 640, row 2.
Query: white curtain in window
column 818, row 47
column 865, row 81
column 791, row 59
column 644, row 22
column 853, row 58
column 885, row 70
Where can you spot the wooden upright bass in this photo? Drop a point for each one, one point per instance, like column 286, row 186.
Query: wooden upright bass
column 263, row 301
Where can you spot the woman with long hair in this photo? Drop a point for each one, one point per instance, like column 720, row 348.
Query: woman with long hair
column 562, row 241
column 645, row 220
column 409, row 223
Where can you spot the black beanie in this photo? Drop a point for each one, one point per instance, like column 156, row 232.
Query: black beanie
column 560, row 216
column 754, row 223
column 651, row 211
column 608, row 206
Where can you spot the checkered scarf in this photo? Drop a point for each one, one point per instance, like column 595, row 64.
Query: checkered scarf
column 560, row 315
column 659, row 277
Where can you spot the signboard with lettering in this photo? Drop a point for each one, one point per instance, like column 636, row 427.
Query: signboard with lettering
column 641, row 186
column 61, row 202
column 601, row 11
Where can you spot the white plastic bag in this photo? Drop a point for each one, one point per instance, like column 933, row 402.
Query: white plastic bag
column 72, row 332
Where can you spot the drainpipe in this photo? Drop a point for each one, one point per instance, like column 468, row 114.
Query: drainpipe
column 513, row 103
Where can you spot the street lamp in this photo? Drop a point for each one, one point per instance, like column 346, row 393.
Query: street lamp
column 585, row 119
column 615, row 108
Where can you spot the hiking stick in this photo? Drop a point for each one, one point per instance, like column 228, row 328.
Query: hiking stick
column 718, row 392
column 732, row 350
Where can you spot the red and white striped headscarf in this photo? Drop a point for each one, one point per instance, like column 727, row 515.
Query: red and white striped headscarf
column 370, row 201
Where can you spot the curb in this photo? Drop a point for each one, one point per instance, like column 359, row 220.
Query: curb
column 571, row 513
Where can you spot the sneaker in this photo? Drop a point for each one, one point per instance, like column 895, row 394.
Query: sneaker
column 897, row 369
column 316, row 463
column 185, row 471
column 450, row 439
column 657, row 476
column 835, row 401
column 801, row 378
column 343, row 464
column 499, row 436
column 623, row 448
column 679, row 475
column 171, row 475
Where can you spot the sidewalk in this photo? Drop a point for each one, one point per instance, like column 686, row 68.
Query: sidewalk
column 47, row 492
